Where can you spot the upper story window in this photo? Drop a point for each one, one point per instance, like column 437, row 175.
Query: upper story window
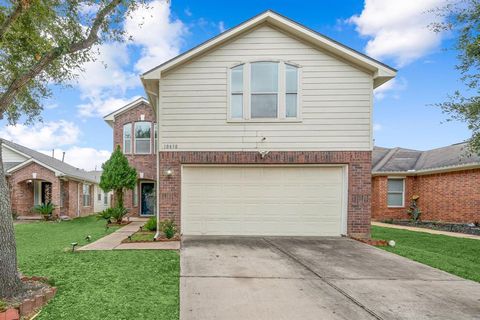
column 143, row 137
column 127, row 138
column 155, row 141
column 264, row 90
column 396, row 192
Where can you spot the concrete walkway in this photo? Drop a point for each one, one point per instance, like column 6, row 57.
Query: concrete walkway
column 425, row 230
column 114, row 241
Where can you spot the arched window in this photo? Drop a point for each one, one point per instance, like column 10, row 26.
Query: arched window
column 264, row 90
column 127, row 138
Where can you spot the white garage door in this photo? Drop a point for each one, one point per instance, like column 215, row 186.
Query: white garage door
column 284, row 201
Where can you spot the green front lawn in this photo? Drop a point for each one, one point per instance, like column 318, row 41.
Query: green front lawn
column 98, row 284
column 454, row 255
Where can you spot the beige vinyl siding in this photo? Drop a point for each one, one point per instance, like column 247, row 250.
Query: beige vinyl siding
column 335, row 100
column 9, row 155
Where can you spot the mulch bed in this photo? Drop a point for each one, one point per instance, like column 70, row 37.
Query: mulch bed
column 35, row 294
column 150, row 234
column 451, row 227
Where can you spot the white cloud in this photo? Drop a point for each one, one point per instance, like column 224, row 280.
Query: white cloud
column 83, row 158
column 377, row 127
column 221, row 26
column 155, row 37
column 398, row 29
column 46, row 135
column 102, row 107
column 390, row 88
column 156, row 32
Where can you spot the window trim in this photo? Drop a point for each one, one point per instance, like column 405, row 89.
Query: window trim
column 123, row 138
column 397, row 192
column 142, row 139
column 281, row 94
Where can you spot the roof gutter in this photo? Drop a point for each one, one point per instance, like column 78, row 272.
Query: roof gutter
column 475, row 165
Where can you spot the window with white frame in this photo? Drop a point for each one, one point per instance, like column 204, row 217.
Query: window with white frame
column 105, row 198
column 143, row 137
column 99, row 196
column 86, row 195
column 155, row 132
column 264, row 90
column 127, row 138
column 396, row 192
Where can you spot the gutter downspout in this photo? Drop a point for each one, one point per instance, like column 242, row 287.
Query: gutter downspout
column 157, row 152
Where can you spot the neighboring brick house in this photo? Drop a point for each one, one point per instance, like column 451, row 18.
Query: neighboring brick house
column 264, row 130
column 134, row 130
column 35, row 178
column 447, row 180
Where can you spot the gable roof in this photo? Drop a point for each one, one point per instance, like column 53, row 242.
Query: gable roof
column 381, row 72
column 110, row 118
column 59, row 167
column 407, row 161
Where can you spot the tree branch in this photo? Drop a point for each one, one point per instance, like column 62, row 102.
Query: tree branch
column 21, row 6
column 22, row 80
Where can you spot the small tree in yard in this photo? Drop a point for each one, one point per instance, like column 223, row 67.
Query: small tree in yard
column 43, row 43
column 118, row 176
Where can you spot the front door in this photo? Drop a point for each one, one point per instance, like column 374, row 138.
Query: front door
column 147, row 191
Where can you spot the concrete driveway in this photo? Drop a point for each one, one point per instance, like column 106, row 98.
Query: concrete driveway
column 314, row 278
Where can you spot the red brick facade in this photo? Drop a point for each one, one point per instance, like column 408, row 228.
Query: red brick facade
column 146, row 164
column 359, row 178
column 448, row 197
column 22, row 192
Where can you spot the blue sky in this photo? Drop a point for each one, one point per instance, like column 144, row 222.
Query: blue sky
column 392, row 31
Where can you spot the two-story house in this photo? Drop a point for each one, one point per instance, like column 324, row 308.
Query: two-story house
column 265, row 129
column 135, row 131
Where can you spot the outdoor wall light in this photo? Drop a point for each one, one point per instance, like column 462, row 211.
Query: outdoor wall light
column 169, row 172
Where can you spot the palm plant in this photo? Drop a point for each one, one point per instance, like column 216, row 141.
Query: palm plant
column 45, row 209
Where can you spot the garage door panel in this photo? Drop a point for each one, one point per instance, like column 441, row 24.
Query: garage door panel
column 262, row 200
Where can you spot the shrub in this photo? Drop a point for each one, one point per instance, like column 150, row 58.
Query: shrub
column 3, row 306
column 413, row 210
column 168, row 227
column 116, row 213
column 45, row 209
column 151, row 224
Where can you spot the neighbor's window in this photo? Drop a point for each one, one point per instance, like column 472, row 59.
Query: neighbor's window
column 127, row 138
column 99, row 197
column 269, row 92
column 142, row 137
column 105, row 198
column 86, row 195
column 395, row 192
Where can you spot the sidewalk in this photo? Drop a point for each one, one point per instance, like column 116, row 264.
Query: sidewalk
column 425, row 230
column 114, row 241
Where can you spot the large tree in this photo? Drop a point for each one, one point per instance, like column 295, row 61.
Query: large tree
column 118, row 175
column 462, row 18
column 44, row 43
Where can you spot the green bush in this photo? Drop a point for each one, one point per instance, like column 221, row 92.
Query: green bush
column 3, row 306
column 151, row 224
column 168, row 227
column 116, row 214
column 45, row 209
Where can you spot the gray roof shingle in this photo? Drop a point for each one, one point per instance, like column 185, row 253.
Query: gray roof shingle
column 65, row 168
column 404, row 160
